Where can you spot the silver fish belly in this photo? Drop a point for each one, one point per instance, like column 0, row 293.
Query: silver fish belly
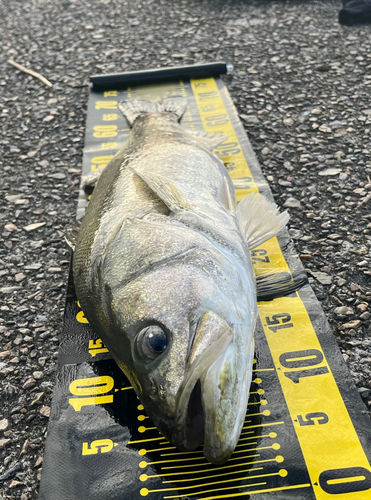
column 163, row 273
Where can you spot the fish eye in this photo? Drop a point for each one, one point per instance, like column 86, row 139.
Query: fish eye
column 151, row 342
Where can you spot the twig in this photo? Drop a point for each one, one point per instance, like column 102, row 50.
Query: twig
column 30, row 72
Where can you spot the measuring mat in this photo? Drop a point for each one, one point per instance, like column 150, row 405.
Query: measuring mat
column 306, row 434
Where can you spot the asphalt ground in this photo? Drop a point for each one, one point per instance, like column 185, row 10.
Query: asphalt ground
column 302, row 87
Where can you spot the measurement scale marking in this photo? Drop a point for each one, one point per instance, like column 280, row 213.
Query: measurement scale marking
column 144, row 491
column 226, row 474
column 198, row 472
column 281, row 473
column 233, row 495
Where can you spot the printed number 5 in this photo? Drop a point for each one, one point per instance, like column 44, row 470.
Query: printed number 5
column 98, row 446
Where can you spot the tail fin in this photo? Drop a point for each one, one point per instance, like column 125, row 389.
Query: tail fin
column 137, row 107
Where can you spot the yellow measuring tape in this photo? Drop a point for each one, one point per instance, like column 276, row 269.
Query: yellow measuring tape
column 336, row 461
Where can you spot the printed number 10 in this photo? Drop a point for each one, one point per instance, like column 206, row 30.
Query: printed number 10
column 305, row 360
column 92, row 390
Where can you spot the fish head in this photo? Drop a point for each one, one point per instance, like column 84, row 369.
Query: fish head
column 184, row 339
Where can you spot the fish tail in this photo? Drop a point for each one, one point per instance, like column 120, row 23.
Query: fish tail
column 137, row 107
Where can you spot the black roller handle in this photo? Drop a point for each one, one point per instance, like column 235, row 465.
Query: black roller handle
column 158, row 75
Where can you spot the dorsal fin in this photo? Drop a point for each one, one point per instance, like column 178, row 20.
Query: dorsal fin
column 207, row 140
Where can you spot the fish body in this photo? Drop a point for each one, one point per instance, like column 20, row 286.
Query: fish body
column 163, row 273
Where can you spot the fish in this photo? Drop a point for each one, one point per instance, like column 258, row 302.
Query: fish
column 163, row 273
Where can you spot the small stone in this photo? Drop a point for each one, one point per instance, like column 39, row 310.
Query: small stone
column 38, row 375
column 48, row 118
column 288, row 166
column 31, row 382
column 38, row 462
column 32, row 267
column 362, row 263
column 362, row 307
column 351, row 324
column 292, row 203
column 19, row 277
column 58, row 176
column 288, row 122
column 45, row 411
column 365, row 316
column 343, row 311
column 39, row 397
column 4, row 354
column 323, row 278
column 12, row 198
column 330, row 171
column 251, row 119
column 10, row 289
column 315, row 111
column 295, row 234
column 11, row 227
column 4, row 423
column 325, row 128
column 355, row 287
column 15, row 484
column 265, row 151
column 363, row 392
column 54, row 270
column 32, row 227
column 42, row 361
column 4, row 443
column 341, row 282
column 25, row 447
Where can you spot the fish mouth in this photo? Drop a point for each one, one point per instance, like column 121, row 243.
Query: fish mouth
column 213, row 397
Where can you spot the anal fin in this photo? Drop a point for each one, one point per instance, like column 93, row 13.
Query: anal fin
column 272, row 286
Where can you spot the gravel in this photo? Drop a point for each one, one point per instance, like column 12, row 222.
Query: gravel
column 301, row 85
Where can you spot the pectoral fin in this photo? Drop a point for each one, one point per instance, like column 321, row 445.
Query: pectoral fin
column 166, row 191
column 228, row 196
column 90, row 181
column 259, row 219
